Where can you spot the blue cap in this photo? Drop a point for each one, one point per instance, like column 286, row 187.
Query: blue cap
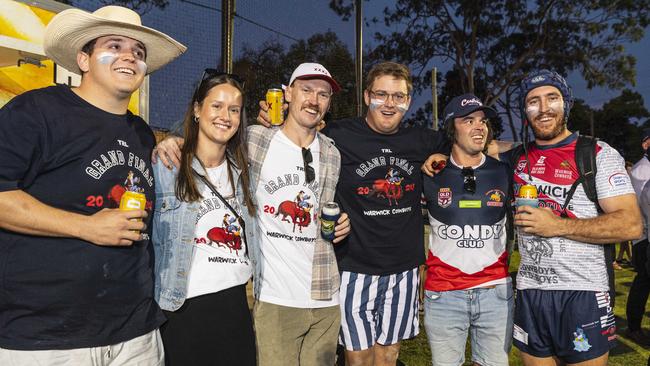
column 544, row 77
column 465, row 104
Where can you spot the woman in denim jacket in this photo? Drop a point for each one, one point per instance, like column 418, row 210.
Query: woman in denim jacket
column 201, row 255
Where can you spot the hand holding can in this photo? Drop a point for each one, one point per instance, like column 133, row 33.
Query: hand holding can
column 275, row 100
column 133, row 201
column 527, row 196
column 330, row 214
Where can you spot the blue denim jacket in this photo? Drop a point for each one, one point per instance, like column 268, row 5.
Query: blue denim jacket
column 174, row 223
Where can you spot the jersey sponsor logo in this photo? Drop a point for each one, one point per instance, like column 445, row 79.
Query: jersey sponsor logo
column 537, row 248
column 469, row 204
column 521, row 165
column 470, row 236
column 565, row 164
column 444, row 197
column 552, row 191
column 563, row 173
column 495, row 198
column 618, row 180
column 540, row 161
column 580, row 341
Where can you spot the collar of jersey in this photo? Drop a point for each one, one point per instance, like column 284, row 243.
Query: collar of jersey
column 569, row 139
column 451, row 159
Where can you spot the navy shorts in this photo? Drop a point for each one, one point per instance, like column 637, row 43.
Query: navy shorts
column 574, row 326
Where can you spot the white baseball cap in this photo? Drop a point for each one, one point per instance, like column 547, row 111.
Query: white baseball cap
column 310, row 70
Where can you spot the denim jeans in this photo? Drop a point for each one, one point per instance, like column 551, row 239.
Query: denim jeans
column 486, row 313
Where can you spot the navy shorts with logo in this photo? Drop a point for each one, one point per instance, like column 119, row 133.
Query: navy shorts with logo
column 574, row 326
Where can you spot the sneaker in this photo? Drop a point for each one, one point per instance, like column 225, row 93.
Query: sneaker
column 638, row 337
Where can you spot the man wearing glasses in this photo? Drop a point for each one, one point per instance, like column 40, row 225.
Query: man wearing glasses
column 380, row 188
column 468, row 289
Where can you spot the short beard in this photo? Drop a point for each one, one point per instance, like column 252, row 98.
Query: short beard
column 547, row 136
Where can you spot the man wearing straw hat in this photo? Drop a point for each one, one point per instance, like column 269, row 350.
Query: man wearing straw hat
column 76, row 282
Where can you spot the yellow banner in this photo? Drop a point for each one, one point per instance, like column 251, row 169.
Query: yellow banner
column 23, row 65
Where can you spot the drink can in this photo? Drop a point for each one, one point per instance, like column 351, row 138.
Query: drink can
column 527, row 196
column 329, row 215
column 275, row 100
column 133, row 201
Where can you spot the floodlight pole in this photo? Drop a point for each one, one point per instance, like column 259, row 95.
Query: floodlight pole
column 227, row 26
column 359, row 55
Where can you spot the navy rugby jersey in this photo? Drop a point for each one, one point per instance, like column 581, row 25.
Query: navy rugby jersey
column 467, row 242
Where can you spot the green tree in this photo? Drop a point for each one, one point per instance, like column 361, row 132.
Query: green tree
column 619, row 122
column 500, row 41
column 270, row 66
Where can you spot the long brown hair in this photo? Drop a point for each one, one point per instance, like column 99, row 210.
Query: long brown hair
column 236, row 154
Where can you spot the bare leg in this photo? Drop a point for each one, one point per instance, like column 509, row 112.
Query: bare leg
column 386, row 355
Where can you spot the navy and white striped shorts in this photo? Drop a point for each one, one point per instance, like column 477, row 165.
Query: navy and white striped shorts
column 378, row 309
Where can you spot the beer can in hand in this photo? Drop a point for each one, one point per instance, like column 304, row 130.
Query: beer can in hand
column 329, row 215
column 133, row 201
column 527, row 196
column 275, row 101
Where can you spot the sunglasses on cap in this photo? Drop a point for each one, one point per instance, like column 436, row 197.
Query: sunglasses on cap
column 214, row 73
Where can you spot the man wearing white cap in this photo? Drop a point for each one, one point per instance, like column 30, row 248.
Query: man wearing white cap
column 77, row 273
column 296, row 313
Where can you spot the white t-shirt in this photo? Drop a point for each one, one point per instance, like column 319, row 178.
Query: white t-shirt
column 287, row 208
column 219, row 261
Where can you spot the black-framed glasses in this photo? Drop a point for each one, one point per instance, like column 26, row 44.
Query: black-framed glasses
column 398, row 98
column 307, row 159
column 469, row 180
column 213, row 73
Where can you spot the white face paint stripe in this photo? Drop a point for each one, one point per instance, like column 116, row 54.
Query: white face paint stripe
column 376, row 103
column 142, row 66
column 106, row 57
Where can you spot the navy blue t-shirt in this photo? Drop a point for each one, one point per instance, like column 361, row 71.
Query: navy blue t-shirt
column 380, row 187
column 62, row 293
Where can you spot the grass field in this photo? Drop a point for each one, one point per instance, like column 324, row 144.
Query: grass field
column 415, row 352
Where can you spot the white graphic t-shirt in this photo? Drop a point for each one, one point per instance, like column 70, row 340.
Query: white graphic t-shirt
column 219, row 260
column 288, row 208
column 559, row 263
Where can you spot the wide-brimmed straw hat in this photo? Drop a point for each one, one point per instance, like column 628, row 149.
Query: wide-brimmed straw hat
column 71, row 29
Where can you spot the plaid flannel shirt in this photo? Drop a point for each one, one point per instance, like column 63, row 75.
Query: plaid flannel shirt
column 325, row 274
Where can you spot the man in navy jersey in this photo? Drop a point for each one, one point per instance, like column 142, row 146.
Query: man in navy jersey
column 468, row 289
column 563, row 307
column 77, row 273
